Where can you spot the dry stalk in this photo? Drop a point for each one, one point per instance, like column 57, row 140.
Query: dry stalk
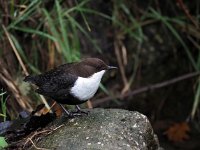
column 6, row 78
column 147, row 88
column 36, row 146
column 21, row 62
column 122, row 60
column 36, row 134
column 15, row 51
column 89, row 104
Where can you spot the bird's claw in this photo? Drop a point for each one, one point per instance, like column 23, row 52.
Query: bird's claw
column 80, row 112
column 73, row 114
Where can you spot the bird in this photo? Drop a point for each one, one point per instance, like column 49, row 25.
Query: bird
column 71, row 83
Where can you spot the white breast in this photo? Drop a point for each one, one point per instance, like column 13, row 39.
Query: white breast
column 85, row 88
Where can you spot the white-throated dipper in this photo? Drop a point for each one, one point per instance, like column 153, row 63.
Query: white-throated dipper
column 71, row 83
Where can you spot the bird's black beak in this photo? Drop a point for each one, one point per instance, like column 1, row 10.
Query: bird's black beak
column 111, row 67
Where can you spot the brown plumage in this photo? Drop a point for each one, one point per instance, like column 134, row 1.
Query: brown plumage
column 58, row 82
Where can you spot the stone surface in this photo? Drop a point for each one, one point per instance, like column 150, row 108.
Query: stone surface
column 106, row 129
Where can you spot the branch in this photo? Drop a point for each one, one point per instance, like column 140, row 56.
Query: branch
column 147, row 88
column 187, row 13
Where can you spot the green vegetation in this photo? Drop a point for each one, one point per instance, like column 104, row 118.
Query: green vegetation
column 170, row 24
column 3, row 143
column 3, row 106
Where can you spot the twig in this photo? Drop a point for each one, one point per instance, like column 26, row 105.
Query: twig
column 186, row 11
column 44, row 101
column 89, row 104
column 118, row 45
column 21, row 62
column 36, row 146
column 56, row 128
column 40, row 132
column 148, row 88
column 15, row 51
column 35, row 134
column 6, row 78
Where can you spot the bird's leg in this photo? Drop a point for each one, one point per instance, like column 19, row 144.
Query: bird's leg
column 66, row 111
column 78, row 110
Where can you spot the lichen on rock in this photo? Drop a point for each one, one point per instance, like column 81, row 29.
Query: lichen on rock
column 106, row 129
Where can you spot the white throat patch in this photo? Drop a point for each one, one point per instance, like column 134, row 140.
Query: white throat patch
column 85, row 88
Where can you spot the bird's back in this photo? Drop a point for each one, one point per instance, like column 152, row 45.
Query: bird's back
column 54, row 82
column 58, row 82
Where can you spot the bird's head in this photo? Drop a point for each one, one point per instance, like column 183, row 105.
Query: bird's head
column 98, row 64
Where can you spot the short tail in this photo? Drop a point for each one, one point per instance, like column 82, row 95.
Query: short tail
column 29, row 79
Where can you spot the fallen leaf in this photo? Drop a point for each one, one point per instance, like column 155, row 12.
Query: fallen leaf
column 25, row 124
column 178, row 132
column 58, row 110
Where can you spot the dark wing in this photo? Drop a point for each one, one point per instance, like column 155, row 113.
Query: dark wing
column 43, row 78
column 58, row 85
column 55, row 82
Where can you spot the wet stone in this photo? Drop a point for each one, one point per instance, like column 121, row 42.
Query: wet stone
column 103, row 129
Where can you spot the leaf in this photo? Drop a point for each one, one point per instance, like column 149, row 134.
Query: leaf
column 3, row 142
column 58, row 110
column 178, row 132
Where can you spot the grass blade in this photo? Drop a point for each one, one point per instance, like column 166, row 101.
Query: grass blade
column 196, row 101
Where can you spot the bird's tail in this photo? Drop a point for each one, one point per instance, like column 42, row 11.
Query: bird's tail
column 29, row 79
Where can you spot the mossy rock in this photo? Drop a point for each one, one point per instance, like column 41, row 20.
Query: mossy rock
column 105, row 129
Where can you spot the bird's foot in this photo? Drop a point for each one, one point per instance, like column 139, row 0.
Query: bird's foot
column 79, row 112
column 73, row 114
column 69, row 114
column 76, row 113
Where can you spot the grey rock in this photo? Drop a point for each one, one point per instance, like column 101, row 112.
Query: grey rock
column 103, row 129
